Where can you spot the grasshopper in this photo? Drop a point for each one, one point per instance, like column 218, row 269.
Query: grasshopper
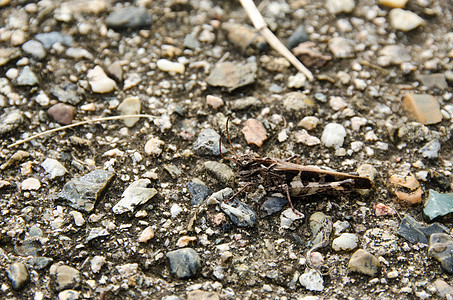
column 294, row 179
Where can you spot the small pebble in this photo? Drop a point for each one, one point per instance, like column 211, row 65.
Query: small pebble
column 364, row 262
column 406, row 188
column 27, row 77
column 312, row 280
column 199, row 192
column 423, row 108
column 64, row 277
column 381, row 209
column 202, row 295
column 440, row 248
column 333, row 135
column 54, row 168
column 239, row 213
column 345, row 242
column 341, row 47
column 337, row 103
column 62, row 113
column 30, row 184
column 207, row 143
column 129, row 17
column 308, row 122
column 18, row 274
column 297, row 81
column 153, row 147
column 42, row 99
column 184, row 263
column 184, row 241
column 99, row 81
column 130, row 106
column 232, row 76
column 443, row 288
column 393, row 3
column 288, row 216
column 303, row 137
column 68, row 295
column 146, row 235
column 78, row 218
column 137, row 193
column 438, row 204
column 404, row 20
column 127, row 270
column 96, row 263
column 254, row 132
column 35, row 49
column 431, row 149
column 220, row 171
column 339, row 6
column 169, row 66
column 214, row 102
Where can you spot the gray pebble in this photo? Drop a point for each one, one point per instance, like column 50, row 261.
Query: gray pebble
column 199, row 192
column 184, row 263
column 18, row 274
column 95, row 233
column 436, row 80
column 65, row 277
column 27, row 77
column 50, row 38
column 35, row 49
column 10, row 120
column 207, row 143
column 220, row 171
column 137, row 193
column 438, row 205
column 240, row 213
column 67, row 93
column 191, row 42
column 299, row 36
column 431, row 149
column 415, row 232
column 248, row 103
column 54, row 168
column 82, row 193
column 129, row 17
column 232, row 76
column 96, row 263
column 40, row 262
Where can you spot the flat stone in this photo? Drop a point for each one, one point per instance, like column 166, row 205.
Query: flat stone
column 154, row 146
column 129, row 17
column 310, row 54
column 199, row 192
column 99, row 81
column 245, row 103
column 415, row 232
column 393, row 3
column 312, row 280
column 68, row 295
column 40, row 262
column 404, row 20
column 96, row 263
column 82, row 193
column 436, row 80
column 130, row 106
column 137, row 193
column 50, row 38
column 54, row 168
column 232, row 76
column 27, row 77
column 441, row 248
column 18, row 274
column 303, row 137
column 364, row 262
column 288, row 216
column 184, row 263
column 62, row 113
column 220, row 171
column 8, row 54
column 239, row 213
column 127, row 270
column 333, row 135
column 35, row 49
column 15, row 158
column 299, row 36
column 423, row 108
column 254, row 132
column 64, row 277
column 30, row 184
column 96, row 233
column 298, row 102
column 207, row 143
column 79, row 53
column 438, row 205
column 146, row 235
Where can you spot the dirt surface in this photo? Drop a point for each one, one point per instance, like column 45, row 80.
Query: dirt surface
column 266, row 259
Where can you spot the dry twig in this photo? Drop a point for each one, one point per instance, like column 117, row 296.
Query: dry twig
column 78, row 124
column 260, row 25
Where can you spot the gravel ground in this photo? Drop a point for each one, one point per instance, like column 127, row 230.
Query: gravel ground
column 134, row 208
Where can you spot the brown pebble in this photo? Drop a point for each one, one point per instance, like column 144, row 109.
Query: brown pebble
column 62, row 113
column 364, row 262
column 185, row 241
column 214, row 102
column 381, row 209
column 254, row 132
column 406, row 188
column 423, row 108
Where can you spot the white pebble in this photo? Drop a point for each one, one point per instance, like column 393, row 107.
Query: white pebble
column 404, row 20
column 346, row 241
column 169, row 66
column 309, row 123
column 12, row 73
column 54, row 168
column 153, row 146
column 30, row 184
column 99, row 81
column 356, row 146
column 339, row 6
column 175, row 210
column 312, row 280
column 78, row 218
column 333, row 135
column 42, row 99
column 337, row 103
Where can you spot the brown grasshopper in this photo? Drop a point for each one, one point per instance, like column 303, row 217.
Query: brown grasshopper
column 294, row 179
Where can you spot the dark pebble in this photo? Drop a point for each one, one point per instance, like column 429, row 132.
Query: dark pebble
column 239, row 213
column 415, row 232
column 129, row 17
column 40, row 262
column 184, row 263
column 50, row 38
column 66, row 93
column 272, row 205
column 207, row 143
column 199, row 192
column 299, row 36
